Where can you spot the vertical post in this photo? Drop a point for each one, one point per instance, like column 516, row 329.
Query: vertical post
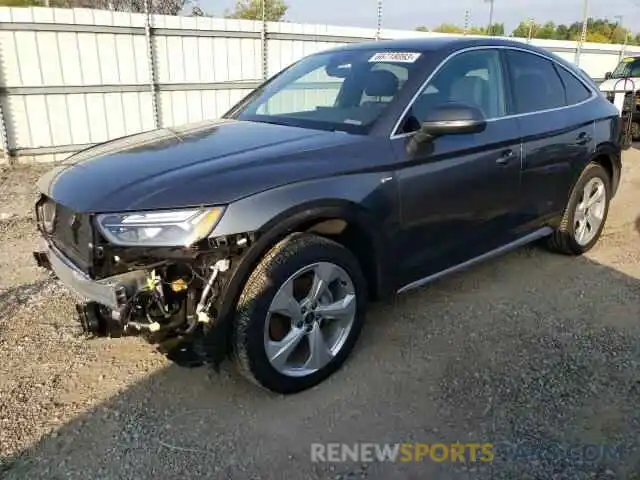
column 490, row 27
column 153, row 79
column 264, row 41
column 4, row 138
column 619, row 24
column 583, row 35
column 379, row 20
column 467, row 14
column 623, row 50
column 530, row 34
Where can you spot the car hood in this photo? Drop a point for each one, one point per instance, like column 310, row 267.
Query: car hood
column 619, row 84
column 209, row 163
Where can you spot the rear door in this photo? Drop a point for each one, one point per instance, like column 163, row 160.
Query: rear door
column 458, row 193
column 557, row 132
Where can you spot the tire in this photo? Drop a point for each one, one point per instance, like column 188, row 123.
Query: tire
column 566, row 239
column 256, row 312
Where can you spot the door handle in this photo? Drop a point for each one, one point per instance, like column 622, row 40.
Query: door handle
column 583, row 138
column 505, row 157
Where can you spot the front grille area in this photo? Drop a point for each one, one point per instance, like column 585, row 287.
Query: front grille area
column 72, row 235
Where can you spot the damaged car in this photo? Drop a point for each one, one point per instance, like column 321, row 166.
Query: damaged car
column 354, row 174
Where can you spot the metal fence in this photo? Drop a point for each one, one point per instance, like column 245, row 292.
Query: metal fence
column 70, row 78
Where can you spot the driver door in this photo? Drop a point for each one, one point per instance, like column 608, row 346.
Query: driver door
column 459, row 193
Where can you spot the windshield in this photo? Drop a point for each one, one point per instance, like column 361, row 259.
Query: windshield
column 628, row 67
column 344, row 90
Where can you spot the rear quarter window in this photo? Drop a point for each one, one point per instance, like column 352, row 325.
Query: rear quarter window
column 576, row 91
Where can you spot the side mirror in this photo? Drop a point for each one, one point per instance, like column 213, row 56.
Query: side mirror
column 607, row 75
column 452, row 119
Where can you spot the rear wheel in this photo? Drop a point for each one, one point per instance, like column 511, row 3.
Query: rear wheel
column 586, row 213
column 300, row 314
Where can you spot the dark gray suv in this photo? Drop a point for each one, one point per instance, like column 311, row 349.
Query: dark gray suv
column 354, row 174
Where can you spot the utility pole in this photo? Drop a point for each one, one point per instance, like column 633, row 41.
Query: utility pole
column 490, row 27
column 530, row 34
column 264, row 42
column 379, row 24
column 583, row 35
column 619, row 19
column 467, row 14
column 618, row 24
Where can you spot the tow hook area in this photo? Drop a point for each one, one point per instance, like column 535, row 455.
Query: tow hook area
column 42, row 260
column 169, row 309
column 97, row 320
column 172, row 304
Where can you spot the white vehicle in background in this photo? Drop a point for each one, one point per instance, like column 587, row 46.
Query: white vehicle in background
column 622, row 88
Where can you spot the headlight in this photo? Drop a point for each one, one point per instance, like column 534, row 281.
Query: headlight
column 167, row 228
column 47, row 216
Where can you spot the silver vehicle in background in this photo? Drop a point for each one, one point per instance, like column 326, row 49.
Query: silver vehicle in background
column 622, row 88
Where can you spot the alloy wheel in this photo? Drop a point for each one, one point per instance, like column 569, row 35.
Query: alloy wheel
column 309, row 319
column 590, row 211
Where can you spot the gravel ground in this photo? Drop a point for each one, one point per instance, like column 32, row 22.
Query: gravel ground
column 533, row 352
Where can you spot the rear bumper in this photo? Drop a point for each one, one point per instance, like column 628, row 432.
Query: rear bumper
column 112, row 292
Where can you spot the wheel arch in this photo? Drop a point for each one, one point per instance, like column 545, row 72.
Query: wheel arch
column 609, row 157
column 340, row 220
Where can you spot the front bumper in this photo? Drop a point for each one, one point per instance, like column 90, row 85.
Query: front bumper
column 113, row 292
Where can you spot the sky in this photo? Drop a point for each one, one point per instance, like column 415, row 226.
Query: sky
column 408, row 14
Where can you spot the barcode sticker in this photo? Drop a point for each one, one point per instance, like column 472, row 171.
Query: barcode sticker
column 402, row 57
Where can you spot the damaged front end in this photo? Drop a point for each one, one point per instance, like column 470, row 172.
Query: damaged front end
column 166, row 293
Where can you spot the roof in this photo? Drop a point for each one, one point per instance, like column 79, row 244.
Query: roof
column 424, row 44
column 447, row 44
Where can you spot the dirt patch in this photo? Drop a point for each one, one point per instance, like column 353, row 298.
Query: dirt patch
column 536, row 353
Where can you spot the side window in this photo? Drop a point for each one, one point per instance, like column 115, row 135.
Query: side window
column 474, row 78
column 575, row 89
column 535, row 83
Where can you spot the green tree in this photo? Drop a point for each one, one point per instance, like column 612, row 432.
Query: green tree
column 496, row 29
column 522, row 30
column 473, row 30
column 448, row 28
column 20, row 3
column 562, row 32
column 547, row 31
column 163, row 7
column 597, row 37
column 252, row 10
column 600, row 30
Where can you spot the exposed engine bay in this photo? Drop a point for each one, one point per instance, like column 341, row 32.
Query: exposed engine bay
column 169, row 295
column 173, row 307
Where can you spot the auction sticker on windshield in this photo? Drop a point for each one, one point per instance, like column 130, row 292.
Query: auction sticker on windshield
column 402, row 57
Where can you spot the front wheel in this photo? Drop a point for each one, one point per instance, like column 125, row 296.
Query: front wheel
column 586, row 213
column 300, row 314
